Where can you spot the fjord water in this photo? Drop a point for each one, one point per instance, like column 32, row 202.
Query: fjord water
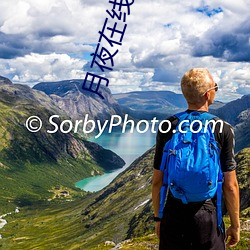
column 129, row 146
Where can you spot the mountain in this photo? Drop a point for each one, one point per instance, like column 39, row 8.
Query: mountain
column 76, row 102
column 232, row 110
column 106, row 215
column 149, row 104
column 237, row 114
column 242, row 130
column 38, row 166
column 32, row 163
column 124, row 208
column 4, row 80
column 216, row 105
column 167, row 102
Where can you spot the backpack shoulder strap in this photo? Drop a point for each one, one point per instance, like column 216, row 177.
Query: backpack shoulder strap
column 182, row 115
column 208, row 116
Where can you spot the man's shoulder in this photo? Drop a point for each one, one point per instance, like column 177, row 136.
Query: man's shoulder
column 172, row 119
column 227, row 127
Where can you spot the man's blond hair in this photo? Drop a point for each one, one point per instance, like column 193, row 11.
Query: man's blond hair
column 195, row 83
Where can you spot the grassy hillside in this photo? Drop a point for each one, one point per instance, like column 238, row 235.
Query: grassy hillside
column 54, row 225
column 32, row 163
column 121, row 211
column 82, row 223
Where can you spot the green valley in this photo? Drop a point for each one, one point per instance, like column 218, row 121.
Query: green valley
column 32, row 163
column 120, row 212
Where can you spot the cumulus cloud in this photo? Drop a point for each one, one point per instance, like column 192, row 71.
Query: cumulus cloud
column 231, row 45
column 163, row 40
column 34, row 68
column 47, row 27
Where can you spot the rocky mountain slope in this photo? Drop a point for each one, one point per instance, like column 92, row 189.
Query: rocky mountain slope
column 232, row 110
column 76, row 102
column 242, row 130
column 237, row 114
column 31, row 163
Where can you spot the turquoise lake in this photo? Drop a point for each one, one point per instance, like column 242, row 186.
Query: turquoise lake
column 129, row 146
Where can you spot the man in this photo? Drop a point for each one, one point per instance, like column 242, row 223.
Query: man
column 194, row 225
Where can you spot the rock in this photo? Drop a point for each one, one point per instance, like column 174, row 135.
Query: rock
column 109, row 243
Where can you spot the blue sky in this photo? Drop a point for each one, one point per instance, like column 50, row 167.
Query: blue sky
column 52, row 40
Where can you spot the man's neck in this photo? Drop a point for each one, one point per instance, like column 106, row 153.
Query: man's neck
column 198, row 107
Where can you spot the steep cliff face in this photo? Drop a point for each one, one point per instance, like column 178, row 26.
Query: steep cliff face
column 242, row 130
column 76, row 102
column 232, row 110
column 237, row 114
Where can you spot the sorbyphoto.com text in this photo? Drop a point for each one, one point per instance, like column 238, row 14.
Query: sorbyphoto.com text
column 87, row 126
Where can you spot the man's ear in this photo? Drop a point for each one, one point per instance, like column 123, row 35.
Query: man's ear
column 207, row 95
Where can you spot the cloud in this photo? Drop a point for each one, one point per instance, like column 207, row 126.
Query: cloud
column 231, row 45
column 34, row 68
column 46, row 27
column 163, row 40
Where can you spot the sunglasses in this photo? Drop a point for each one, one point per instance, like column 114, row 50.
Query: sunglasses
column 216, row 87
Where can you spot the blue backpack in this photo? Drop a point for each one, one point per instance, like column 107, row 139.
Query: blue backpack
column 191, row 162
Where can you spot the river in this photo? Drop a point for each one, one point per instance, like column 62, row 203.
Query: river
column 128, row 146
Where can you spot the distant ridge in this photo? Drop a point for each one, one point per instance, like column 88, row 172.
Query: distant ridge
column 151, row 100
column 147, row 104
